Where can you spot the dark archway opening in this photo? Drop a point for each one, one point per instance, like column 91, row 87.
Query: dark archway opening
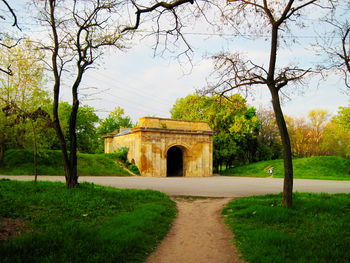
column 174, row 162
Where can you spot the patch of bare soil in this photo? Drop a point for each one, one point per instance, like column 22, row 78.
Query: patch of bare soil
column 198, row 235
column 11, row 227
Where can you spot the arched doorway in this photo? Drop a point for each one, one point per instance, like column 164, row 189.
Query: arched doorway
column 174, row 162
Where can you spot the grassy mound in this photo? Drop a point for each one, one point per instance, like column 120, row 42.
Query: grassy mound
column 87, row 224
column 322, row 167
column 20, row 162
column 316, row 229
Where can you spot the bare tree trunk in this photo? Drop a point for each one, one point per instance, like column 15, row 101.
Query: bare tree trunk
column 71, row 181
column 2, row 152
column 287, row 151
column 281, row 123
column 35, row 153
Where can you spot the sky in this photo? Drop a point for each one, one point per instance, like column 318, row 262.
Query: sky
column 147, row 85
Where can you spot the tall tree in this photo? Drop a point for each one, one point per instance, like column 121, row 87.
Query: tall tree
column 337, row 134
column 234, row 124
column 234, row 71
column 318, row 119
column 114, row 121
column 335, row 41
column 23, row 92
column 7, row 70
column 87, row 135
column 307, row 134
column 79, row 32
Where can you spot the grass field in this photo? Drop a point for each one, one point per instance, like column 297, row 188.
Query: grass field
column 322, row 167
column 20, row 162
column 87, row 224
column 316, row 229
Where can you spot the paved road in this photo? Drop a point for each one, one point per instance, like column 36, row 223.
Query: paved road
column 216, row 186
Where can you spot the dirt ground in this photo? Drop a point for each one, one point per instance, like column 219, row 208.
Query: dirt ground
column 11, row 227
column 198, row 234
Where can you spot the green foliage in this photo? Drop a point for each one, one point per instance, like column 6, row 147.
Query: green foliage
column 114, row 121
column 89, row 223
column 121, row 154
column 235, row 125
column 21, row 95
column 343, row 117
column 337, row 134
column 87, row 138
column 192, row 107
column 133, row 168
column 20, row 162
column 316, row 229
column 320, row 167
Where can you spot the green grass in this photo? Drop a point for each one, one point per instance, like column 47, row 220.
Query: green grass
column 87, row 224
column 20, row 162
column 316, row 229
column 322, row 167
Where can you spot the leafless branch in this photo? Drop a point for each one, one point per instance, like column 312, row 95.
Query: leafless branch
column 140, row 11
column 336, row 44
column 12, row 13
column 8, row 71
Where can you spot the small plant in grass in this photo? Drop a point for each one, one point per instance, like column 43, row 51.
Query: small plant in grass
column 316, row 229
column 122, row 155
column 89, row 223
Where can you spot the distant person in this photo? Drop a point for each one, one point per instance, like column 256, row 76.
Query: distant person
column 271, row 171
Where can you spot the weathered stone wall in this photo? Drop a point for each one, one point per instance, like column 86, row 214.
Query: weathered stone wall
column 150, row 141
column 132, row 141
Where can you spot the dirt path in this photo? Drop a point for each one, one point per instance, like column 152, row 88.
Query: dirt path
column 198, row 235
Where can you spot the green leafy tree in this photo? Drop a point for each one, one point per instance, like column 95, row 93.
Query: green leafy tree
column 114, row 121
column 21, row 94
column 337, row 134
column 234, row 124
column 87, row 120
column 192, row 107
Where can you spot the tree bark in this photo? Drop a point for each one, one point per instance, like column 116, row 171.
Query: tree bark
column 287, row 151
column 35, row 152
column 68, row 171
column 2, row 152
column 73, row 179
column 281, row 123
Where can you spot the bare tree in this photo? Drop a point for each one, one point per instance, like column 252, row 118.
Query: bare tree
column 79, row 32
column 336, row 42
column 15, row 24
column 234, row 71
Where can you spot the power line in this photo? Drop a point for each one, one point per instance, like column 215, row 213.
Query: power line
column 127, row 89
column 134, row 90
column 262, row 36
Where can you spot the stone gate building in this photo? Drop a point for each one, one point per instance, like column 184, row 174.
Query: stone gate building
column 164, row 147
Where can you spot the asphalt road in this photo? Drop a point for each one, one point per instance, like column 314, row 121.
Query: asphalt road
column 216, row 186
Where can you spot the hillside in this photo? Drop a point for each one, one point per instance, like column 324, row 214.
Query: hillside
column 321, row 167
column 20, row 162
